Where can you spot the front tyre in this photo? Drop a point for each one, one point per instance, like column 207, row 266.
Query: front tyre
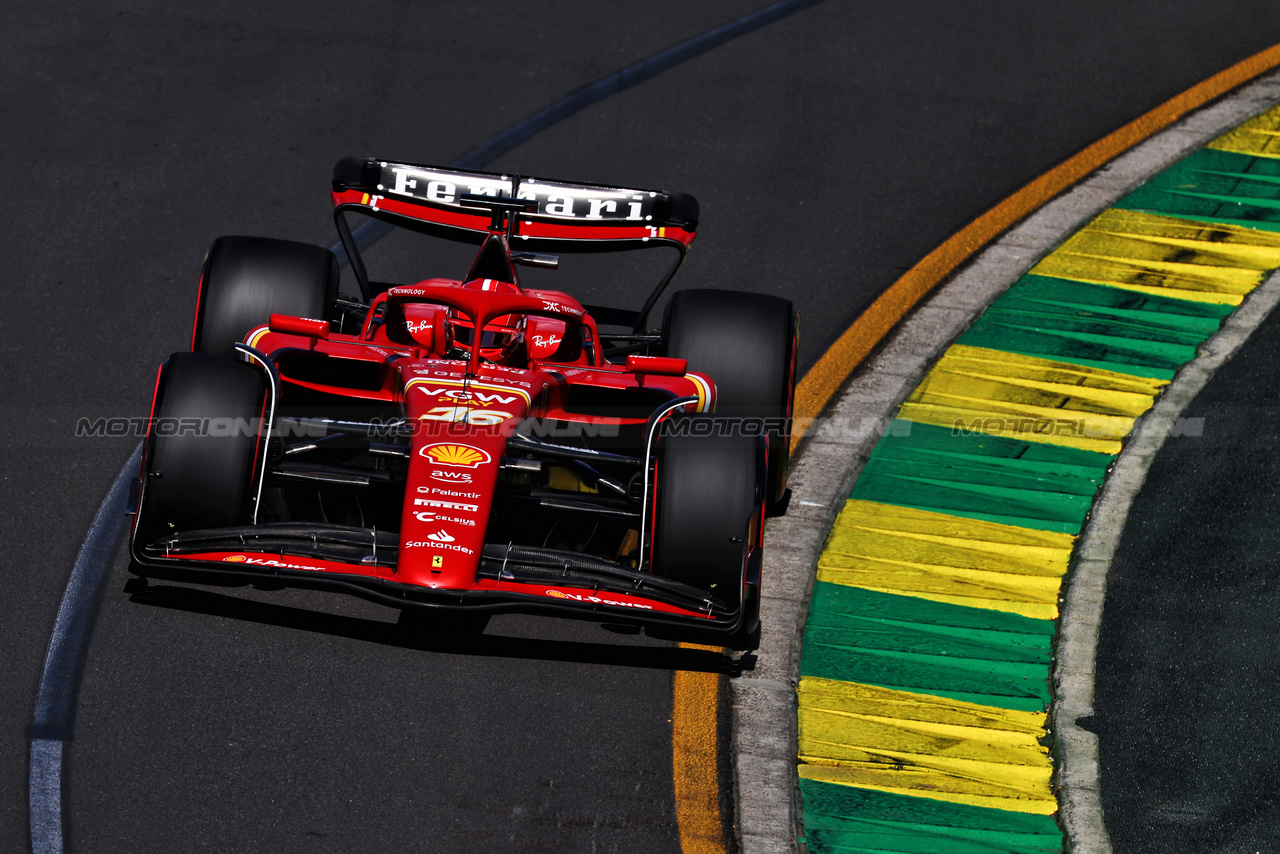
column 710, row 484
column 203, row 445
column 746, row 343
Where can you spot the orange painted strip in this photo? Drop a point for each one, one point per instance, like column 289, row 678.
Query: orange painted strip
column 825, row 378
column 694, row 759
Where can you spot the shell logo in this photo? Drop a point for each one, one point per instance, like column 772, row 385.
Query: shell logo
column 462, row 456
column 235, row 558
column 557, row 594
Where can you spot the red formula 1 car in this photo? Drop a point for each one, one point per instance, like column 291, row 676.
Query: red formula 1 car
column 457, row 447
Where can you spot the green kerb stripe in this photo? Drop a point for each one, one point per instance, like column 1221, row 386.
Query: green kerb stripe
column 846, row 820
column 913, row 644
column 1029, row 484
column 1215, row 186
column 1095, row 325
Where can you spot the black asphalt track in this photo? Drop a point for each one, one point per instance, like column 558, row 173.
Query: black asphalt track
column 1188, row 686
column 830, row 151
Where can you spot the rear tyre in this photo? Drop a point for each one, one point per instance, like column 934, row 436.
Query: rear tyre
column 746, row 343
column 247, row 279
column 710, row 496
column 203, row 446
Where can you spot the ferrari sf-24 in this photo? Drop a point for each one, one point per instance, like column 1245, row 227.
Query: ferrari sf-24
column 457, row 447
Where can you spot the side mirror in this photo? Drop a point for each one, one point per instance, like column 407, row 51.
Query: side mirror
column 307, row 326
column 533, row 259
column 661, row 365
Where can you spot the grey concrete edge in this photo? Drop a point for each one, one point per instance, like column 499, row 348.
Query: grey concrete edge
column 768, row 811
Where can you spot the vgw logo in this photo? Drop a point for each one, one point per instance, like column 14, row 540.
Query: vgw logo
column 460, row 394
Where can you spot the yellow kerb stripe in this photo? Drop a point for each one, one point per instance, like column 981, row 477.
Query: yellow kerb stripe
column 1259, row 137
column 924, row 746
column 1031, row 399
column 943, row 558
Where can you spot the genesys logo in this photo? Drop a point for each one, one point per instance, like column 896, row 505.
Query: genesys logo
column 272, row 562
column 598, row 600
column 455, row 455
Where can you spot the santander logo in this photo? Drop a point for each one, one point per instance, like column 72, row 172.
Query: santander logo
column 441, row 536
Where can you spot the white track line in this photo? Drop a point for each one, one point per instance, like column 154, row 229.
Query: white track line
column 764, row 701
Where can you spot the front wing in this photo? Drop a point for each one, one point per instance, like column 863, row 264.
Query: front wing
column 510, row 578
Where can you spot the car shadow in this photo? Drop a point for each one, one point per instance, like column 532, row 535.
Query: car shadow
column 665, row 657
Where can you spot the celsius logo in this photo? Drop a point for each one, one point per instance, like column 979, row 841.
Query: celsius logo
column 441, row 536
column 461, row 456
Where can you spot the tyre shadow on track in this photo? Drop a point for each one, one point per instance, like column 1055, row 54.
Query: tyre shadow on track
column 208, row 602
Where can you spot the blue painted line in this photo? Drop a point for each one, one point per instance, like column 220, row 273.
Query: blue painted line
column 65, row 658
column 64, row 661
column 371, row 231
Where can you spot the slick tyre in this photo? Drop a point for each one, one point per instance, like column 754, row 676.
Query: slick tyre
column 203, row 446
column 248, row 279
column 746, row 343
column 710, row 497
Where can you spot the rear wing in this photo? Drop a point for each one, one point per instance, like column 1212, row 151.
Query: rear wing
column 565, row 212
column 558, row 215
